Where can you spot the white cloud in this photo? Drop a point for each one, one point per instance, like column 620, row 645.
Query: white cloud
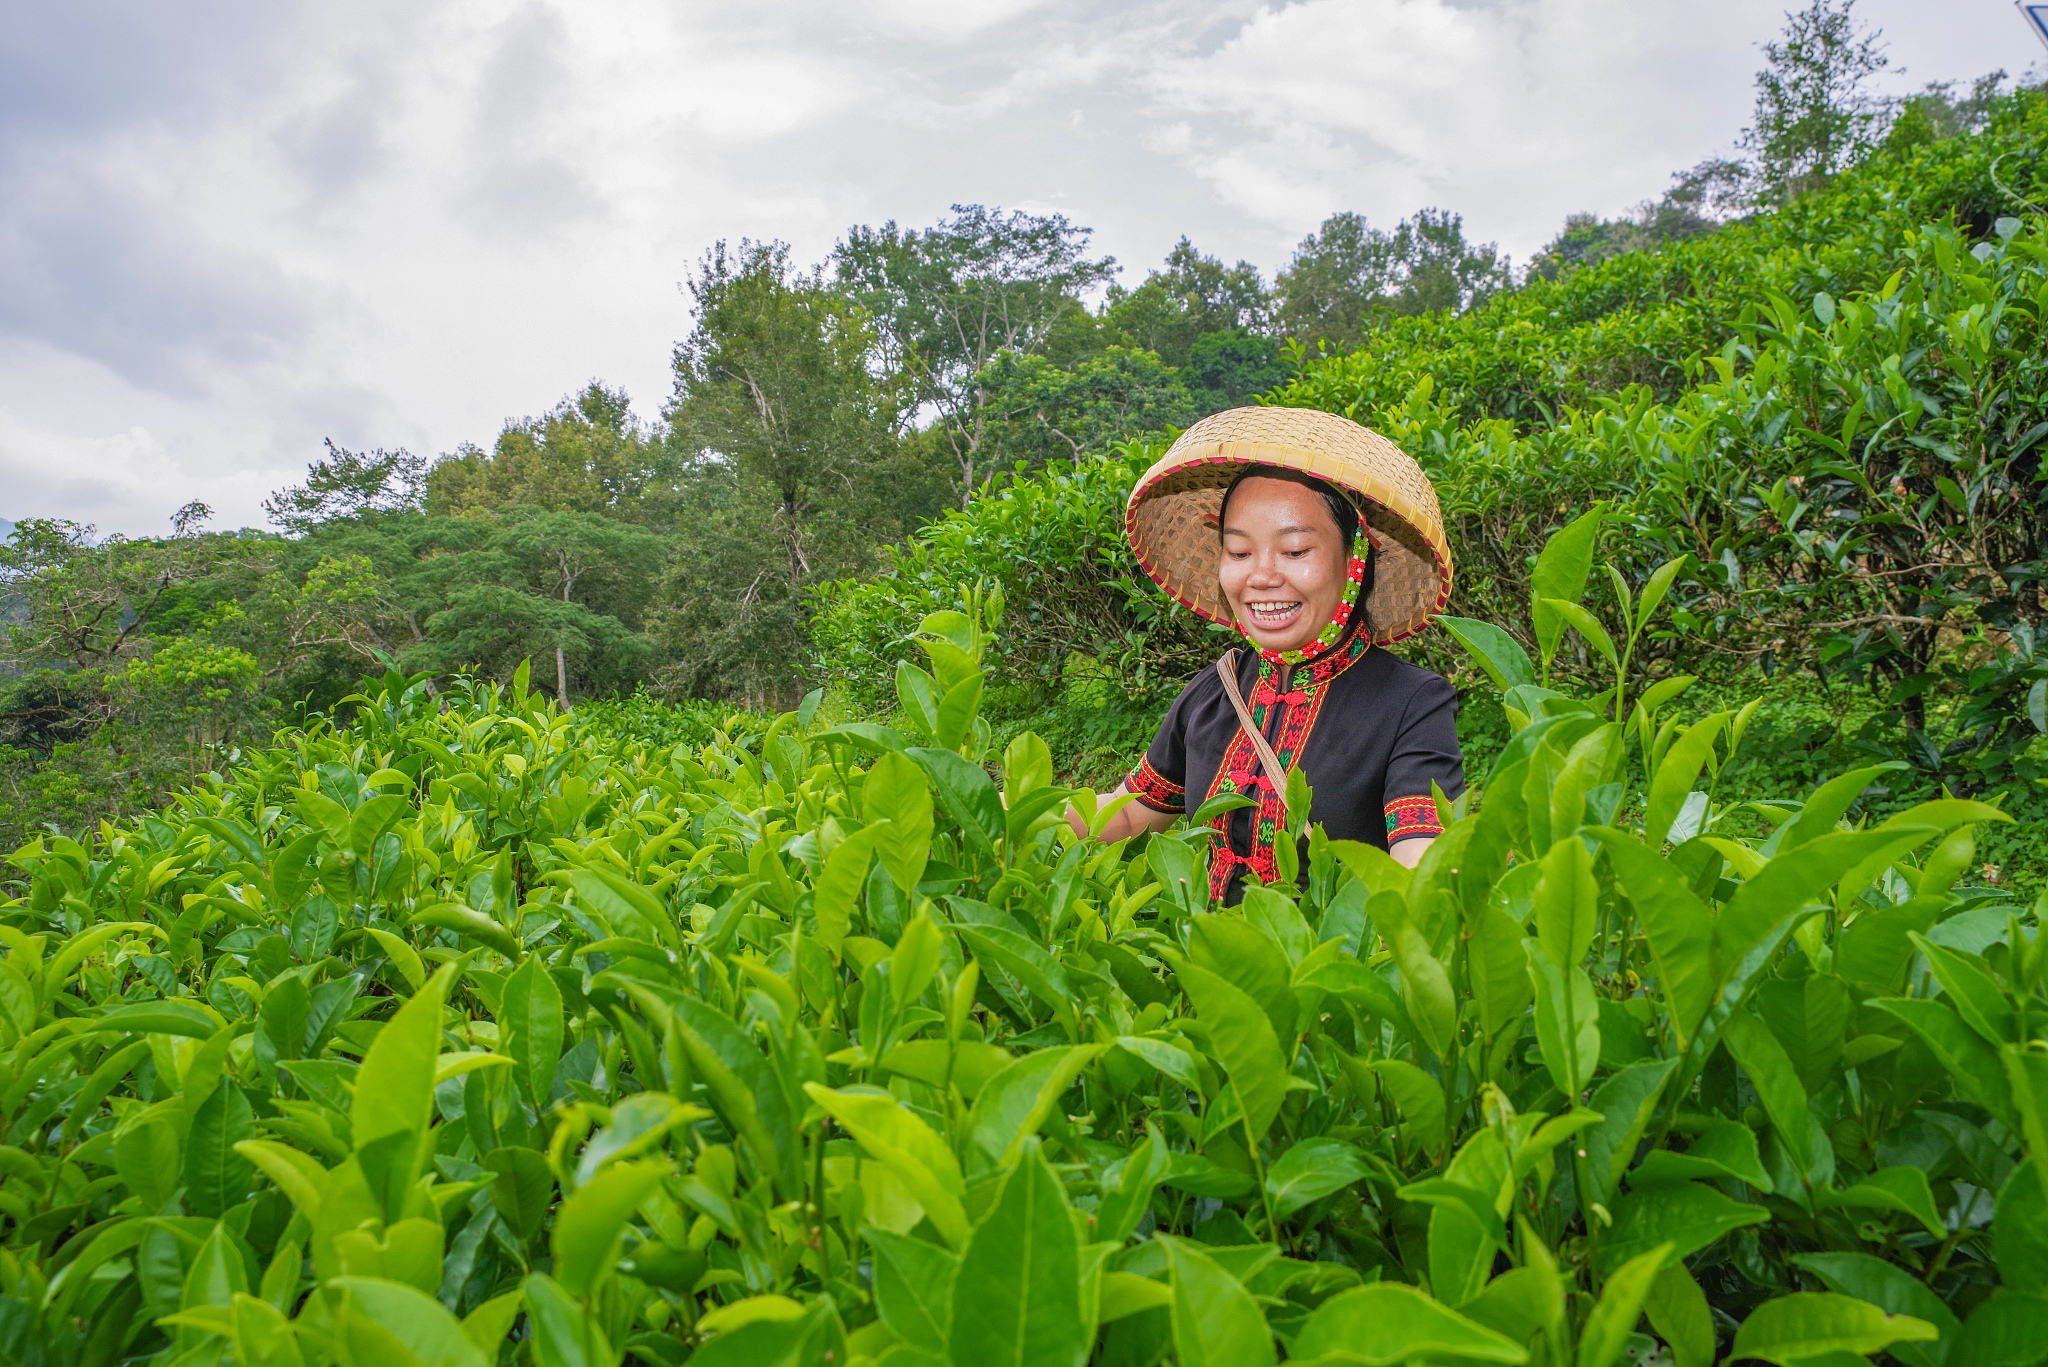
column 234, row 231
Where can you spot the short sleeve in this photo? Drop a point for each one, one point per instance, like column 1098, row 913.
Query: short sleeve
column 1425, row 753
column 1160, row 780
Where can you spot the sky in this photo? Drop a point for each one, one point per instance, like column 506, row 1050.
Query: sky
column 233, row 229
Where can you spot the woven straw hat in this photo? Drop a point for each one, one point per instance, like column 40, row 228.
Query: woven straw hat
column 1172, row 515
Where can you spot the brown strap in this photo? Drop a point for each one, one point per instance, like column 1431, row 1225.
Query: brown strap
column 1276, row 773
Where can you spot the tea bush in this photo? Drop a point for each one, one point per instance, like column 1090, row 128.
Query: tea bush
column 471, row 1033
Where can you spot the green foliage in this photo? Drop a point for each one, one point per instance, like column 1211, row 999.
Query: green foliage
column 350, row 484
column 1054, row 543
column 588, row 455
column 1189, row 298
column 775, row 388
column 479, row 1031
column 1038, row 412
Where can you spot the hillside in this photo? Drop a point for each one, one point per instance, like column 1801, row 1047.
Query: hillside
column 1833, row 411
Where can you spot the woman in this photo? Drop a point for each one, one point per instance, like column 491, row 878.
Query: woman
column 1317, row 540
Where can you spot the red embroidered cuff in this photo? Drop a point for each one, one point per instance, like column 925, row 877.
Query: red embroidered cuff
column 1155, row 790
column 1412, row 816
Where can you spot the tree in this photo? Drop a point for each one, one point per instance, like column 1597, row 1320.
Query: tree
column 793, row 432
column 947, row 300
column 587, row 455
column 1348, row 275
column 1039, row 411
column 350, row 484
column 1937, row 113
column 1338, row 275
column 1698, row 201
column 1227, row 369
column 571, row 552
column 1814, row 112
column 87, row 601
column 1193, row 296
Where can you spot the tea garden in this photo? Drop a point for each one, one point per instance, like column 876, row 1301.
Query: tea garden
column 469, row 1033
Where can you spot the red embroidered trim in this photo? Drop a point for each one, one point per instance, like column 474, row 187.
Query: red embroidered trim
column 1412, row 816
column 1241, row 771
column 1155, row 790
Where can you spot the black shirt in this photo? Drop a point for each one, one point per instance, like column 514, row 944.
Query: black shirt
column 1369, row 731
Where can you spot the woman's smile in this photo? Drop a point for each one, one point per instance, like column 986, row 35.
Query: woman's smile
column 1274, row 616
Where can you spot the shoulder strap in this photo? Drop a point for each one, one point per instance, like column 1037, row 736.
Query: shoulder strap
column 1226, row 669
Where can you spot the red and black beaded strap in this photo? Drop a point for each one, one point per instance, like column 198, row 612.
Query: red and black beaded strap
column 1240, row 770
column 1155, row 790
column 1412, row 816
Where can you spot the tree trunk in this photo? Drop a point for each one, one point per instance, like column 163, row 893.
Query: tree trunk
column 561, row 677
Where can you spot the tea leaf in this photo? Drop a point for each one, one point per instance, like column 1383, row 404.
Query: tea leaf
column 1808, row 1324
column 909, row 1149
column 1685, row 1215
column 1017, row 1100
column 588, row 1226
column 1892, row 1290
column 522, row 1189
column 913, row 1288
column 564, row 1333
column 1677, row 1310
column 1242, row 1035
column 216, row 1176
column 1621, row 1304
column 403, row 1325
column 532, row 1016
column 1387, row 1322
column 1017, row 1295
column 1311, row 1170
column 1215, row 1320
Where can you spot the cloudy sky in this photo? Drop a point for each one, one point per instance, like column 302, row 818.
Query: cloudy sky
column 232, row 228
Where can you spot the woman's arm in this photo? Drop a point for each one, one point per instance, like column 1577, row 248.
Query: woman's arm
column 1408, row 853
column 1135, row 818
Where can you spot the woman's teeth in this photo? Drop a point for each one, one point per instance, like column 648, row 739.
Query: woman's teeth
column 1268, row 613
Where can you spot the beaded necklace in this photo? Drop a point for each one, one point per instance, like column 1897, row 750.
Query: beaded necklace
column 1354, row 578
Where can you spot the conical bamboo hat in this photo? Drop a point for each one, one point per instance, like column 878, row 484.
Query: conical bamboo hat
column 1172, row 516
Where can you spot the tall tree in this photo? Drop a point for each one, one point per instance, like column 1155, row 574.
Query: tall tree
column 948, row 300
column 1348, row 275
column 783, row 415
column 87, row 600
column 1190, row 297
column 1815, row 112
column 571, row 556
column 588, row 455
column 1039, row 411
column 350, row 484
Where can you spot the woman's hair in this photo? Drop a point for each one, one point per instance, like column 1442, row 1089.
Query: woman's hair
column 1342, row 511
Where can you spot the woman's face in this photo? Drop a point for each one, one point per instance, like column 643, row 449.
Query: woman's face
column 1283, row 562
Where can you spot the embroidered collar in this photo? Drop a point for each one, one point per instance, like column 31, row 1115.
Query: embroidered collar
column 1331, row 634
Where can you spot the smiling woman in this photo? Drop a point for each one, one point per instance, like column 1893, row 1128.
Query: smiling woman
column 1317, row 540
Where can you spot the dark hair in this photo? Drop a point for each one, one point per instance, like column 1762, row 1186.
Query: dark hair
column 1342, row 511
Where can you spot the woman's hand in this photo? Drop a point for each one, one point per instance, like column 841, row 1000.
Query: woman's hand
column 1134, row 818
